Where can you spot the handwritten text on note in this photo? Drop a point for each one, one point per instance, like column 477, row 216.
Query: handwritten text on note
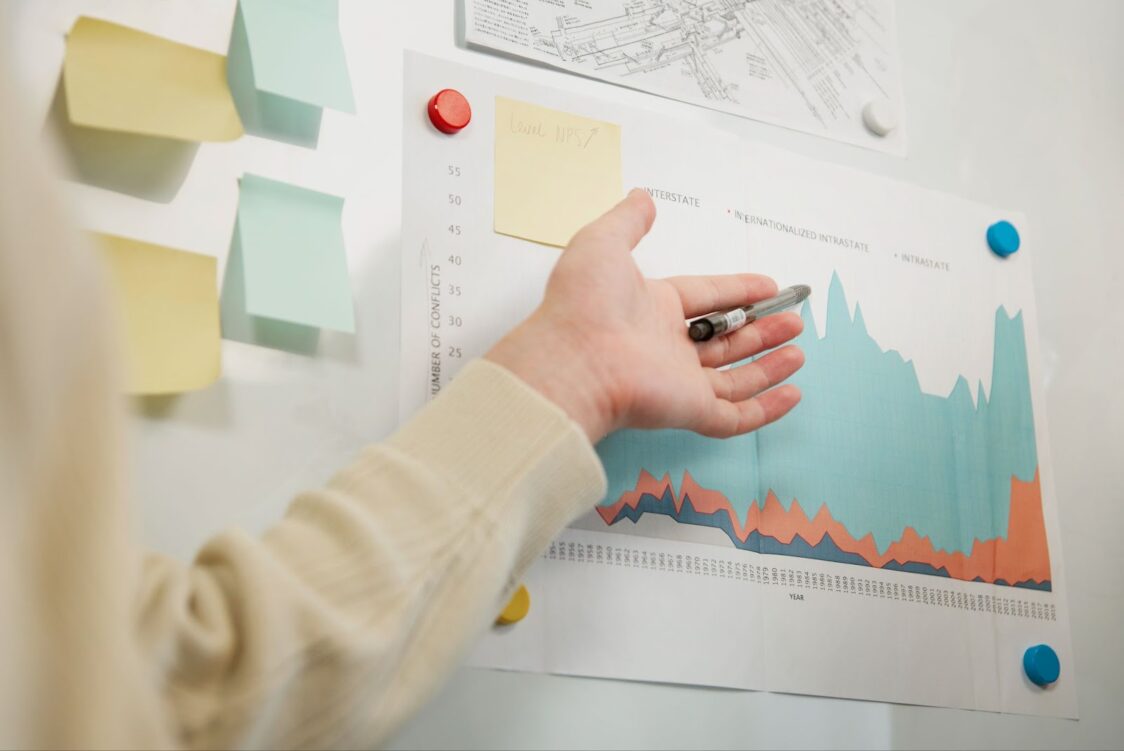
column 554, row 171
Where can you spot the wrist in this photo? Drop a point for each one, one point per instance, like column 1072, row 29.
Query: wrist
column 555, row 362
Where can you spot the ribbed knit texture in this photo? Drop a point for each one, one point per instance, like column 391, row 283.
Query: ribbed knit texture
column 350, row 612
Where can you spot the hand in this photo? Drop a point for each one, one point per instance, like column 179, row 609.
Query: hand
column 611, row 347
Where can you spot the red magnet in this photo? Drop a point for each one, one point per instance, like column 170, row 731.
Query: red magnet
column 449, row 111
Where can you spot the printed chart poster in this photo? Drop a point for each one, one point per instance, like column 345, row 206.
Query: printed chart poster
column 894, row 538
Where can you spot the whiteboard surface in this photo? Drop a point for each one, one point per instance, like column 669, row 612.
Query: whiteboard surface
column 1013, row 103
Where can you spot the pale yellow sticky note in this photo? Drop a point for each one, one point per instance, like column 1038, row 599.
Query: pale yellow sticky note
column 169, row 305
column 555, row 172
column 118, row 78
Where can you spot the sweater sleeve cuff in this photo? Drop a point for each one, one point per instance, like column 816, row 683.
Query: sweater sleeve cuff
column 509, row 449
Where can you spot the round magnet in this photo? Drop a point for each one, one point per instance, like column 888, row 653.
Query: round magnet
column 516, row 609
column 1003, row 238
column 449, row 111
column 880, row 116
column 1041, row 665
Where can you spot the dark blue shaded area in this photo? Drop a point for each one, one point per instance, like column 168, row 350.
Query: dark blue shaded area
column 824, row 550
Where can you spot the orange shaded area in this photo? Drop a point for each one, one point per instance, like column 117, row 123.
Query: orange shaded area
column 1020, row 557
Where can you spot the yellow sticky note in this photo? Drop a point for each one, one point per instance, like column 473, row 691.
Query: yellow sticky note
column 169, row 305
column 118, row 78
column 554, row 171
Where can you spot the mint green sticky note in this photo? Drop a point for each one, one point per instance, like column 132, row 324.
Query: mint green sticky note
column 293, row 258
column 264, row 114
column 296, row 51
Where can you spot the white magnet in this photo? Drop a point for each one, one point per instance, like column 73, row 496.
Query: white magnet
column 880, row 116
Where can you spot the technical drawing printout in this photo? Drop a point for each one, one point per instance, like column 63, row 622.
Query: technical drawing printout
column 809, row 65
column 894, row 538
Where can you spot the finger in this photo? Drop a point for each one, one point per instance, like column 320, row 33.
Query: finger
column 706, row 294
column 741, row 383
column 622, row 226
column 730, row 418
column 769, row 332
column 726, row 419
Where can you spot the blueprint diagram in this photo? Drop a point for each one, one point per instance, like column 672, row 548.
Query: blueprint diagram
column 810, row 65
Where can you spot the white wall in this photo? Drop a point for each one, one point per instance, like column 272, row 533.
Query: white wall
column 1015, row 103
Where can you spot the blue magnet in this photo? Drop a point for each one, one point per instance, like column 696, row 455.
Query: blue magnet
column 1041, row 664
column 1003, row 238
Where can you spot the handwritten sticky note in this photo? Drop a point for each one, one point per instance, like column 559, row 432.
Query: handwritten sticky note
column 554, row 171
column 293, row 256
column 296, row 51
column 168, row 302
column 118, row 78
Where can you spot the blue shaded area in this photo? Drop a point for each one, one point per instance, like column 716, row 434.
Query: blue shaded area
column 1028, row 584
column 824, row 550
column 866, row 441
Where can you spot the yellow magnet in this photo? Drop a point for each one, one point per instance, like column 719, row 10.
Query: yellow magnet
column 516, row 609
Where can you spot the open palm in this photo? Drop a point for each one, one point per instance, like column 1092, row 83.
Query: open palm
column 613, row 348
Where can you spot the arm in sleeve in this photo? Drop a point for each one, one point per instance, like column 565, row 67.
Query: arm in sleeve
column 334, row 627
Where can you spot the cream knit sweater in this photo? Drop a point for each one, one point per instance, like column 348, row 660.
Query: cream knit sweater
column 330, row 629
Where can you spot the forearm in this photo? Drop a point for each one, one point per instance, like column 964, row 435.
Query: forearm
column 560, row 363
column 355, row 606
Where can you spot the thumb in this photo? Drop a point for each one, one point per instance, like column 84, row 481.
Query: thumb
column 622, row 226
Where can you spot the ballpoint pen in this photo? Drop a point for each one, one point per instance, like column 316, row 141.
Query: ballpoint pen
column 716, row 324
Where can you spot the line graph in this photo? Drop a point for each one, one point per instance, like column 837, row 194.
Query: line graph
column 869, row 470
